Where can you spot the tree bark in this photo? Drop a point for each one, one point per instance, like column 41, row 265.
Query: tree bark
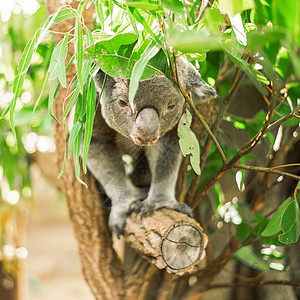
column 101, row 266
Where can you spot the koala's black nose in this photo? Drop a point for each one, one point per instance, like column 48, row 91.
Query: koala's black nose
column 147, row 127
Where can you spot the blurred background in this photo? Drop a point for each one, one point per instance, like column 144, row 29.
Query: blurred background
column 36, row 237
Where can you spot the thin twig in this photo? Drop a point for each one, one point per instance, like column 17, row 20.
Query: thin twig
column 266, row 170
column 295, row 114
column 199, row 116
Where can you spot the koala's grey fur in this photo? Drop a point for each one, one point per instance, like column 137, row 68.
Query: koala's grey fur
column 148, row 133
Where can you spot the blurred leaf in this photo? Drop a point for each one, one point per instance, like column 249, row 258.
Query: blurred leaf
column 273, row 226
column 290, row 223
column 258, row 39
column 19, row 80
column 99, row 10
column 244, row 232
column 89, row 38
column 262, row 12
column 145, row 5
column 247, row 256
column 287, row 14
column 244, row 66
column 174, row 5
column 192, row 41
column 238, row 29
column 213, row 20
column 188, row 142
column 231, row 7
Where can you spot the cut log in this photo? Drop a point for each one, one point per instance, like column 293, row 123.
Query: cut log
column 168, row 239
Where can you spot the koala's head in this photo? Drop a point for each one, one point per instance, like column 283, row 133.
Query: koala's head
column 157, row 106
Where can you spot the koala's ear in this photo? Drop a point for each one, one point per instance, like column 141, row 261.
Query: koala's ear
column 99, row 79
column 191, row 81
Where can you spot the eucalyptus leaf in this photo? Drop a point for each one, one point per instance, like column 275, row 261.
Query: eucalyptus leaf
column 139, row 67
column 90, row 113
column 79, row 53
column 52, row 90
column 57, row 63
column 117, row 56
column 19, row 80
column 188, row 142
column 73, row 135
column 65, row 14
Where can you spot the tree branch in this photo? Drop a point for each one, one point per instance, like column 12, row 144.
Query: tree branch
column 189, row 100
column 267, row 170
column 242, row 152
column 237, row 79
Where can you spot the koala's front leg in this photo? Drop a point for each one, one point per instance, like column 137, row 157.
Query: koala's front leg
column 105, row 162
column 164, row 160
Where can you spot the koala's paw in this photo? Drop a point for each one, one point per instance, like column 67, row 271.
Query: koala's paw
column 152, row 204
column 117, row 220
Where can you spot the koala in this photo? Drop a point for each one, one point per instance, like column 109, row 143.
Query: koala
column 148, row 133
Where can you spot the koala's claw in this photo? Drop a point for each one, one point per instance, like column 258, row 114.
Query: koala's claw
column 148, row 206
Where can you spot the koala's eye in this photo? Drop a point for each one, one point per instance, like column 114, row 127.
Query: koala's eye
column 122, row 103
column 171, row 106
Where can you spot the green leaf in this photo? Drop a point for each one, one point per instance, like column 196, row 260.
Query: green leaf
column 64, row 14
column 290, row 224
column 258, row 39
column 76, row 154
column 100, row 13
column 79, row 53
column 244, row 232
column 139, row 68
column 90, row 113
column 213, row 19
column 193, row 41
column 174, row 5
column 51, row 98
column 116, row 57
column 140, row 18
column 89, row 38
column 273, row 226
column 231, row 7
column 287, row 14
column 90, row 3
column 19, row 80
column 188, row 142
column 71, row 102
column 252, row 75
column 247, row 256
column 73, row 135
column 152, row 7
column 57, row 63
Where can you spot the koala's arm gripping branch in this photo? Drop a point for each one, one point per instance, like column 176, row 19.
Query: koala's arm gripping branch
column 168, row 239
